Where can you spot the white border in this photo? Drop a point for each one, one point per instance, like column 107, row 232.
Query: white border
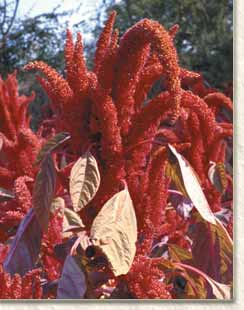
column 239, row 212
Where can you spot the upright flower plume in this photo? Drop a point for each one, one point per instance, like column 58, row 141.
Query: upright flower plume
column 131, row 176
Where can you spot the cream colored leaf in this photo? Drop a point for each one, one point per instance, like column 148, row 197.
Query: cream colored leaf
column 193, row 187
column 220, row 291
column 58, row 205
column 84, row 181
column 114, row 231
column 221, row 230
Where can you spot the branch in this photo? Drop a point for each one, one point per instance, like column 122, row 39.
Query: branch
column 12, row 18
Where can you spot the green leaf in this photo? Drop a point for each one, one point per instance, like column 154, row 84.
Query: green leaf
column 51, row 145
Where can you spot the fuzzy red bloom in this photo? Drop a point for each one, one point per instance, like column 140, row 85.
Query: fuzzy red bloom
column 28, row 287
column 104, row 42
column 134, row 45
column 111, row 112
column 146, row 281
column 17, row 138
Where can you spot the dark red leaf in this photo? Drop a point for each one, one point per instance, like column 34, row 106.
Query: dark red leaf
column 43, row 193
column 51, row 145
column 25, row 247
column 212, row 251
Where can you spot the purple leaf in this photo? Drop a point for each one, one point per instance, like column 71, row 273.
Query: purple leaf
column 25, row 247
column 212, row 251
column 62, row 250
column 184, row 208
column 183, row 205
column 72, row 284
column 224, row 215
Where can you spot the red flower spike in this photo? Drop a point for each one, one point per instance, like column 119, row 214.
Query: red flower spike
column 27, row 287
column 114, row 39
column 156, row 202
column 143, row 33
column 104, row 41
column 127, row 77
column 196, row 152
column 80, row 78
column 218, row 100
column 206, row 117
column 173, row 30
column 105, row 110
column 149, row 76
column 69, row 57
column 145, row 280
column 60, row 88
column 106, row 72
column 22, row 193
column 18, row 139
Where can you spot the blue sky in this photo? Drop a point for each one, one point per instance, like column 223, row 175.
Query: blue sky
column 87, row 10
column 35, row 7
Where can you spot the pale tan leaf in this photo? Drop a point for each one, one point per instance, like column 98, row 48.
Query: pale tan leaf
column 57, row 206
column 71, row 221
column 44, row 189
column 114, row 231
column 222, row 232
column 220, row 291
column 1, row 143
column 84, row 181
column 217, row 176
column 5, row 194
column 192, row 186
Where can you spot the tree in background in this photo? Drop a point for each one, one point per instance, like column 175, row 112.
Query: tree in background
column 41, row 37
column 204, row 40
column 27, row 39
